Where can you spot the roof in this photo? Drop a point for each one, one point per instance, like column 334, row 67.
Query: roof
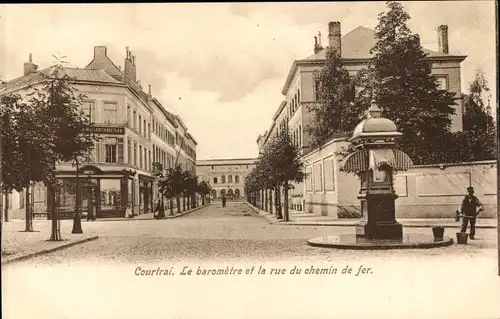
column 356, row 45
column 84, row 75
column 227, row 161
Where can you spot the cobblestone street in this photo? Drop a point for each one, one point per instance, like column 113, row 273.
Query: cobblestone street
column 233, row 233
column 215, row 238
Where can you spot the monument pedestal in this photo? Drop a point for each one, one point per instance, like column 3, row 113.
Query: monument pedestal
column 380, row 221
column 379, row 230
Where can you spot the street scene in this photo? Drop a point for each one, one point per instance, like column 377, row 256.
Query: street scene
column 335, row 160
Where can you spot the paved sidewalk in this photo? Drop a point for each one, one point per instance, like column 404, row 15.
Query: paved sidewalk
column 19, row 245
column 308, row 219
column 150, row 215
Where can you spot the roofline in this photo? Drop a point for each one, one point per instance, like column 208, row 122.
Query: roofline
column 296, row 63
column 180, row 121
column 280, row 108
column 164, row 111
column 191, row 137
column 199, row 162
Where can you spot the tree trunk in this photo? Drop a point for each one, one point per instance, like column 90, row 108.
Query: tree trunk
column 171, row 206
column 277, row 201
column 183, row 202
column 29, row 221
column 77, row 221
column 286, row 217
column 202, row 200
column 178, row 202
column 55, row 233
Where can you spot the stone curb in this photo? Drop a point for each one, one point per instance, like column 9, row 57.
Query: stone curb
column 46, row 251
column 272, row 220
column 186, row 212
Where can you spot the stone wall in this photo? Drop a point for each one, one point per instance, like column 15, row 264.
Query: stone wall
column 427, row 191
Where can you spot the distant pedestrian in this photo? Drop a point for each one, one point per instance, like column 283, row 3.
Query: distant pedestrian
column 128, row 211
column 223, row 197
column 469, row 210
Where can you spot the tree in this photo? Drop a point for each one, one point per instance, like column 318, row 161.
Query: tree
column 405, row 89
column 27, row 147
column 71, row 131
column 172, row 185
column 281, row 163
column 335, row 113
column 478, row 139
column 203, row 189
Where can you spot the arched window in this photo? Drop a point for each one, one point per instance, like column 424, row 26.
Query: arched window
column 230, row 179
column 223, row 179
column 236, row 179
column 215, row 180
column 237, row 193
column 214, row 193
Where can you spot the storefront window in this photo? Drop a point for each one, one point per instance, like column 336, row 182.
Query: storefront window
column 110, row 194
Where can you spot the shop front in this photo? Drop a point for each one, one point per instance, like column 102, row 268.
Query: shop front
column 101, row 194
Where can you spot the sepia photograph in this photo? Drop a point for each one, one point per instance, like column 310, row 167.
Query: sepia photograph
column 250, row 160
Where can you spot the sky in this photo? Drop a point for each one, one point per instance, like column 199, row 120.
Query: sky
column 222, row 66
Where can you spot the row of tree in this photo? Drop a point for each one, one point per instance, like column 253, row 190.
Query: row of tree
column 44, row 127
column 400, row 79
column 174, row 183
column 277, row 168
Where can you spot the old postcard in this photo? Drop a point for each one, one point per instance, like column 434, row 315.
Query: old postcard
column 249, row 160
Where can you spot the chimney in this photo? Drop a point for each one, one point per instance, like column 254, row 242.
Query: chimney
column 334, row 37
column 100, row 51
column 317, row 43
column 30, row 67
column 443, row 39
column 150, row 89
column 129, row 72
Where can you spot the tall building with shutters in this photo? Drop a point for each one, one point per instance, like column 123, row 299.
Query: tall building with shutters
column 135, row 131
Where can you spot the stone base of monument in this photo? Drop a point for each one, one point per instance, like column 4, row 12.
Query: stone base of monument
column 379, row 230
column 407, row 241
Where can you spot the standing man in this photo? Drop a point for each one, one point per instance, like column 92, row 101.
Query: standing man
column 469, row 209
column 223, row 197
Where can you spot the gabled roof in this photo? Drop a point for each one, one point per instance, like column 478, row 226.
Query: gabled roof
column 356, row 46
column 83, row 75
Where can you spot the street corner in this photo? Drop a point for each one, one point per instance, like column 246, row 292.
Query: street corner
column 20, row 251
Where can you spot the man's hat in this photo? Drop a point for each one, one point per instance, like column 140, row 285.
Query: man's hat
column 470, row 188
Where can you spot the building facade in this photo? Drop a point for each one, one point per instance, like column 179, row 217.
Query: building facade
column 135, row 130
column 301, row 89
column 225, row 176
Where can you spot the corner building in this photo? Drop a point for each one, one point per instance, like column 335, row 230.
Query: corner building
column 135, row 131
column 300, row 89
column 226, row 176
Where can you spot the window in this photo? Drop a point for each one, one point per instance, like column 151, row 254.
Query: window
column 110, row 150
column 298, row 96
column 149, row 131
column 135, row 153
column 129, row 151
column 89, row 110
column 223, row 179
column 110, row 113
column 129, row 116
column 230, row 179
column 149, row 160
column 140, row 156
column 236, row 179
column 140, row 124
column 442, row 82
column 144, row 128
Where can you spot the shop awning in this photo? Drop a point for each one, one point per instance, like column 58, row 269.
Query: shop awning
column 355, row 162
column 368, row 159
column 396, row 159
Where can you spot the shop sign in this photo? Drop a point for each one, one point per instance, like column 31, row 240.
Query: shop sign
column 109, row 130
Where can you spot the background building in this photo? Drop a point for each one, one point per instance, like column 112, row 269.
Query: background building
column 319, row 193
column 135, row 131
column 225, row 176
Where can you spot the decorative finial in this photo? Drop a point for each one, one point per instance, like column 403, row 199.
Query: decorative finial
column 374, row 111
column 149, row 88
